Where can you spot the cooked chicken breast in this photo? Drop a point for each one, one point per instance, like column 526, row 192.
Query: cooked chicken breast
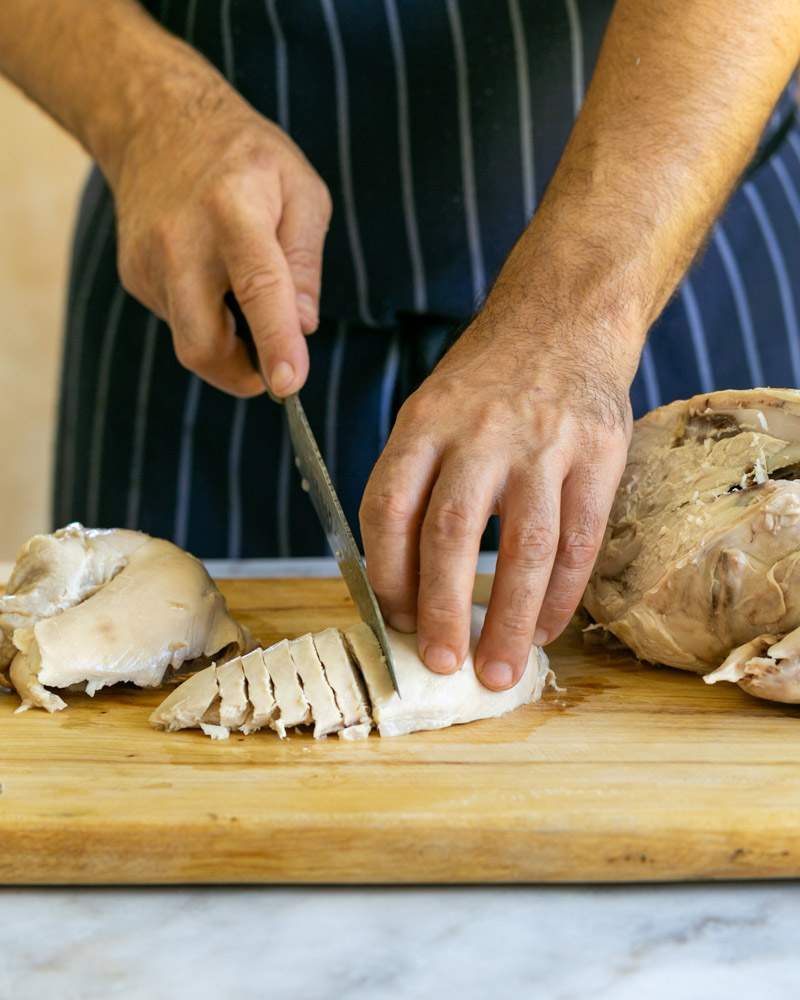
column 702, row 551
column 259, row 691
column 346, row 684
column 433, row 701
column 186, row 706
column 324, row 711
column 234, row 708
column 429, row 701
column 293, row 709
column 132, row 608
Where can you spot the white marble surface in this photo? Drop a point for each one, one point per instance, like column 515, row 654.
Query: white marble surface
column 715, row 942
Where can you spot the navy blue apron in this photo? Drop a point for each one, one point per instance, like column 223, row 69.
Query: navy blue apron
column 436, row 125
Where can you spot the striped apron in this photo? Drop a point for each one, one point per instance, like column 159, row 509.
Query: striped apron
column 436, row 125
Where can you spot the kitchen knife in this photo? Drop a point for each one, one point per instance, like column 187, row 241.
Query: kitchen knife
column 317, row 483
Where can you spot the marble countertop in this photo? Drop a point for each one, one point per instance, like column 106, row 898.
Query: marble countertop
column 713, row 941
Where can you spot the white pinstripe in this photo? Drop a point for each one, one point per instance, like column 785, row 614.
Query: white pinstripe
column 794, row 142
column 140, row 425
column 467, row 157
column 787, row 184
column 101, row 405
column 739, row 293
column 651, row 387
column 698, row 335
column 404, row 145
column 73, row 380
column 525, row 114
column 781, row 276
column 227, row 39
column 332, row 401
column 345, row 168
column 240, row 406
column 284, row 534
column 186, row 461
column 281, row 66
column 191, row 403
column 391, row 367
column 284, row 475
column 235, row 479
column 576, row 42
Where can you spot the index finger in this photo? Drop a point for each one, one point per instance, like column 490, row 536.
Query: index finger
column 262, row 284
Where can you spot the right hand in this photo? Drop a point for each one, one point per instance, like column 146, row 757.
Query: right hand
column 212, row 198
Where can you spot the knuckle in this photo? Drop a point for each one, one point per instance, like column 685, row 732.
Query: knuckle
column 577, row 549
column 322, row 197
column 388, row 511
column 196, row 357
column 514, row 626
column 532, row 546
column 450, row 522
column 441, row 609
column 302, row 259
column 254, row 284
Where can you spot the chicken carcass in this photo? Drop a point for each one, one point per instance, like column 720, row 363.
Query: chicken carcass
column 89, row 608
column 429, row 701
column 701, row 556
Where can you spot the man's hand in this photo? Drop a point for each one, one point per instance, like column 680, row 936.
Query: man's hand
column 220, row 200
column 527, row 414
column 540, row 438
column 210, row 196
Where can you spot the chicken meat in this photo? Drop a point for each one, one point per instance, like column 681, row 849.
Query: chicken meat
column 344, row 687
column 86, row 608
column 700, row 565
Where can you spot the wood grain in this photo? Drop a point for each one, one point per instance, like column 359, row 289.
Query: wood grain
column 630, row 774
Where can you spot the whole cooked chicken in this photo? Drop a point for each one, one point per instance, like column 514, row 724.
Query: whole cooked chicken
column 700, row 565
column 338, row 682
column 86, row 608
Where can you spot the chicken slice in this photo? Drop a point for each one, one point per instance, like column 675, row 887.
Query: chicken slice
column 234, row 706
column 433, row 701
column 186, row 706
column 159, row 611
column 292, row 705
column 345, row 681
column 259, row 692
column 324, row 711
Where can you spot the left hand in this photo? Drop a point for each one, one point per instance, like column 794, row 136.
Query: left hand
column 529, row 420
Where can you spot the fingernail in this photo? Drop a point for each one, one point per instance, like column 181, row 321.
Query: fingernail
column 281, row 377
column 540, row 637
column 403, row 623
column 307, row 308
column 440, row 659
column 496, row 674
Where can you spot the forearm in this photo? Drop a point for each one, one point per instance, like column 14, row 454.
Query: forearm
column 680, row 95
column 99, row 68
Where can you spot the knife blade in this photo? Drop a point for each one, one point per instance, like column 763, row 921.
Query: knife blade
column 317, row 483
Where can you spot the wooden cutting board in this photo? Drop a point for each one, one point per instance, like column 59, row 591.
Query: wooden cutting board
column 630, row 774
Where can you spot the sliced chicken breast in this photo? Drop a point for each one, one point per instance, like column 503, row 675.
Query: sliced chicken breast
column 259, row 692
column 324, row 711
column 234, row 707
column 293, row 708
column 345, row 681
column 186, row 706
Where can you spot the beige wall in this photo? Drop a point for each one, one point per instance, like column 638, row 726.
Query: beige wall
column 41, row 172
